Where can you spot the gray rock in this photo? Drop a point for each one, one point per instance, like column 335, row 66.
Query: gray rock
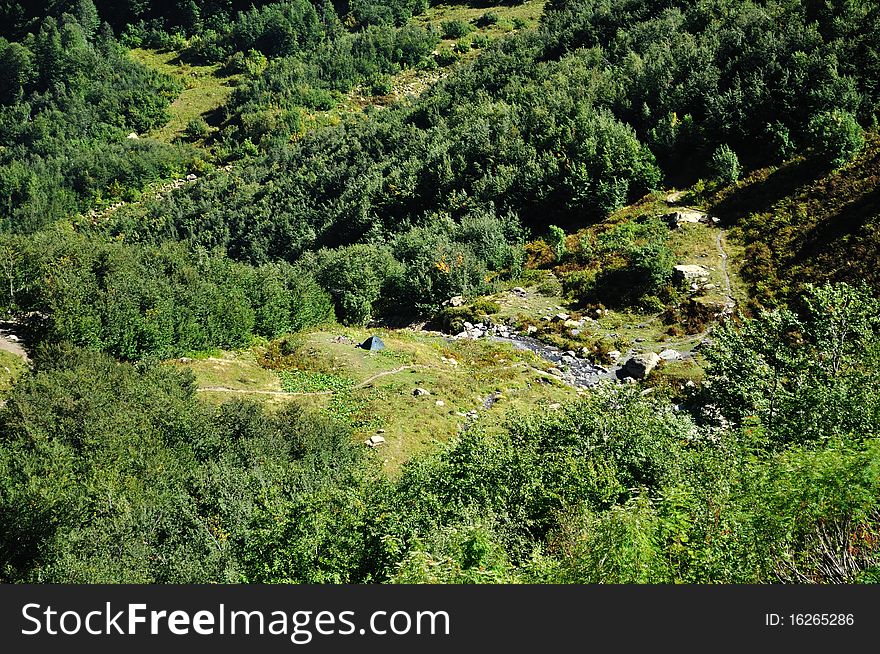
column 456, row 301
column 670, row 355
column 685, row 216
column 690, row 274
column 420, row 392
column 641, row 365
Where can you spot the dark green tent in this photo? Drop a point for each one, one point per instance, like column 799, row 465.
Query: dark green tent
column 373, row 343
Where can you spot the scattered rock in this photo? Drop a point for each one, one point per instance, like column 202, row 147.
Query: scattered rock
column 685, row 216
column 614, row 355
column 555, row 406
column 531, row 329
column 456, row 301
column 375, row 441
column 440, row 403
column 670, row 355
column 181, row 359
column 571, row 324
column 191, row 177
column 641, row 365
column 518, row 290
column 132, row 135
column 690, row 274
column 556, row 372
column 561, row 317
column 420, row 392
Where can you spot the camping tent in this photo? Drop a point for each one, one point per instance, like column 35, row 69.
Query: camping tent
column 373, row 343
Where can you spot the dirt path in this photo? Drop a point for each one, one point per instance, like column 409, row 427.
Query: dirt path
column 254, row 391
column 10, row 342
column 724, row 268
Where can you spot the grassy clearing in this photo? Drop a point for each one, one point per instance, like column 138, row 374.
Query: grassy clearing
column 372, row 391
column 11, row 368
column 206, row 90
column 525, row 15
column 236, row 371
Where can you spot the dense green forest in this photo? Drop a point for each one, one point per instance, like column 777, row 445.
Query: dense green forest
column 319, row 196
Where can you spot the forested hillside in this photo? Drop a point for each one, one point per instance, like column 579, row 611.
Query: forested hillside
column 623, row 255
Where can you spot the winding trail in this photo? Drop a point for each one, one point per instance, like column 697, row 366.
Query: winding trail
column 255, row 391
column 724, row 269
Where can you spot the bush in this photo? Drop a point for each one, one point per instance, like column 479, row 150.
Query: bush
column 556, row 240
column 837, row 137
column 725, row 165
column 480, row 41
column 462, row 47
column 446, row 57
column 455, row 29
column 357, row 278
column 197, row 129
column 488, row 19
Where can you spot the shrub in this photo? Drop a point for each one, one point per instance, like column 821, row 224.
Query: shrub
column 725, row 165
column 780, row 143
column 446, row 57
column 550, row 286
column 556, row 240
column 488, row 19
column 197, row 129
column 455, row 29
column 356, row 277
column 837, row 137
